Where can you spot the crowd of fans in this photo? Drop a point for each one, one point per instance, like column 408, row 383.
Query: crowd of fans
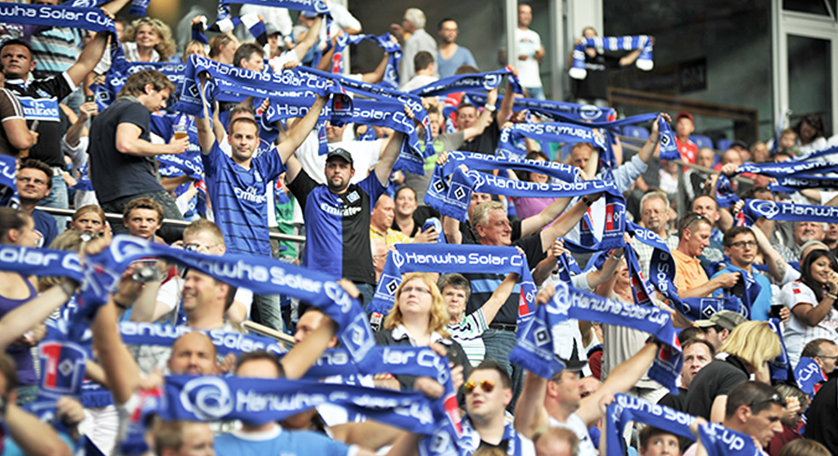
column 335, row 184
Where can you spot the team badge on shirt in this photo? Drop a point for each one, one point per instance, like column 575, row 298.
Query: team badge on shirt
column 352, row 197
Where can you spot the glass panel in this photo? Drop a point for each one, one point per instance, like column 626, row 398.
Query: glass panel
column 810, row 73
column 809, row 6
column 712, row 51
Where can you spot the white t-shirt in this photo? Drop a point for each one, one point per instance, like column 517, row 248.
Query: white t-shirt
column 528, row 42
column 798, row 333
column 577, row 426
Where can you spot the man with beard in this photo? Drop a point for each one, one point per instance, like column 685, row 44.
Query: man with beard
column 337, row 214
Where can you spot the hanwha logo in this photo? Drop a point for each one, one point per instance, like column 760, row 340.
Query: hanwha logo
column 398, row 258
column 589, row 112
column 767, row 208
column 124, row 247
column 207, row 397
column 491, row 81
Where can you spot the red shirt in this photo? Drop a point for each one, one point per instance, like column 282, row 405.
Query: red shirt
column 688, row 150
column 780, row 439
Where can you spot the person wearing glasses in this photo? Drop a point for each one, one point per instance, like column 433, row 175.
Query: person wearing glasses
column 754, row 409
column 741, row 246
column 749, row 348
column 690, row 278
column 419, row 318
column 488, row 392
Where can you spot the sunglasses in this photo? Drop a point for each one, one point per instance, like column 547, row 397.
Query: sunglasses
column 486, row 385
column 774, row 398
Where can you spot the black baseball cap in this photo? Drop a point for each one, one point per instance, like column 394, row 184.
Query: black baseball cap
column 342, row 153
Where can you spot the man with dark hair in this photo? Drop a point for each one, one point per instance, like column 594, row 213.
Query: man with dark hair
column 690, row 278
column 697, row 354
column 451, row 55
column 123, row 164
column 754, row 409
column 824, row 352
column 34, row 184
column 423, row 62
column 718, row 327
column 488, row 392
column 40, row 97
column 250, row 56
column 741, row 246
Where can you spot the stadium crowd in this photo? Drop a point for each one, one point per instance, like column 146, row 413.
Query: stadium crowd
column 401, row 261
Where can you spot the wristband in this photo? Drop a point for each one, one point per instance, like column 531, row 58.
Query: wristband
column 587, row 201
column 490, row 107
column 615, row 256
column 831, row 296
column 655, row 341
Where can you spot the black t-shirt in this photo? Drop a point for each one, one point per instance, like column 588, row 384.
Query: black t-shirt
column 714, row 379
column 484, row 284
column 419, row 216
column 595, row 84
column 486, row 142
column 674, row 402
column 113, row 173
column 820, row 423
column 39, row 99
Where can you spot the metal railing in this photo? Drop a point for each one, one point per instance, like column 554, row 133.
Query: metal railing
column 166, row 222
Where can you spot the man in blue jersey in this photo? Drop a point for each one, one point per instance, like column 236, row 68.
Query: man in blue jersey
column 337, row 214
column 237, row 185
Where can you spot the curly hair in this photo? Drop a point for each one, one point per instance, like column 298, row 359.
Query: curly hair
column 438, row 315
column 166, row 47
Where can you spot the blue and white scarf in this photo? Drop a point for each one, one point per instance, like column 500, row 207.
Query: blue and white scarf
column 536, row 352
column 721, row 441
column 780, row 366
column 552, row 132
column 467, row 82
column 8, row 182
column 796, row 183
column 165, row 335
column 310, row 6
column 451, row 258
column 754, row 209
column 787, row 168
column 259, row 274
column 394, row 51
column 471, row 439
column 669, row 148
column 662, row 275
column 612, row 43
column 809, row 376
column 115, row 79
column 138, row 7
column 627, row 408
column 558, row 111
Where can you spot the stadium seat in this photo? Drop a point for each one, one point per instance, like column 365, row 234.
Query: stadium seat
column 633, row 131
column 723, row 144
column 702, row 141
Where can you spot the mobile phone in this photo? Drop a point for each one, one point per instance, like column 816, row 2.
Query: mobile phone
column 88, row 98
column 34, row 126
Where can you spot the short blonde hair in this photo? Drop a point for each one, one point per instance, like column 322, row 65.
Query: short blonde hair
column 438, row 317
column 480, row 216
column 752, row 342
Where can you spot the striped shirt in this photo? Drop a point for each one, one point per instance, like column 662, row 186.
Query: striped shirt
column 238, row 198
column 467, row 332
column 55, row 50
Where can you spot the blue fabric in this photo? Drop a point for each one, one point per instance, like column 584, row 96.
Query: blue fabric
column 548, row 131
column 115, row 79
column 754, row 209
column 809, row 376
column 536, row 351
column 761, row 307
column 297, row 443
column 557, row 110
column 627, row 408
column 721, row 441
column 239, row 199
column 612, row 43
column 459, row 83
column 134, row 333
column 795, row 183
column 46, row 225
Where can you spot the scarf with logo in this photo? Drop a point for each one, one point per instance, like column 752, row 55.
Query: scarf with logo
column 754, row 209
column 612, row 43
column 809, row 376
column 721, row 441
column 394, row 51
column 535, row 349
column 627, row 408
column 451, row 258
column 466, row 82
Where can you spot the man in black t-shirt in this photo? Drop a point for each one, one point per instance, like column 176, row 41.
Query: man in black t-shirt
column 123, row 164
column 39, row 99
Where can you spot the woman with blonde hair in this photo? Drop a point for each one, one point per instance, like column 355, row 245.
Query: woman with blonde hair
column 419, row 319
column 748, row 349
column 148, row 40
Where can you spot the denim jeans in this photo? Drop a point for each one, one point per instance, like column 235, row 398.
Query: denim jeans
column 367, row 292
column 58, row 198
column 536, row 92
column 170, row 211
column 498, row 346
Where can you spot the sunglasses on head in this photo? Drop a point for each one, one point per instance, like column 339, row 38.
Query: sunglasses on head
column 486, row 385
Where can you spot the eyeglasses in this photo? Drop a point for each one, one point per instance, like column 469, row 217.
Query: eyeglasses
column 743, row 244
column 486, row 385
column 774, row 398
column 827, row 357
column 417, row 290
